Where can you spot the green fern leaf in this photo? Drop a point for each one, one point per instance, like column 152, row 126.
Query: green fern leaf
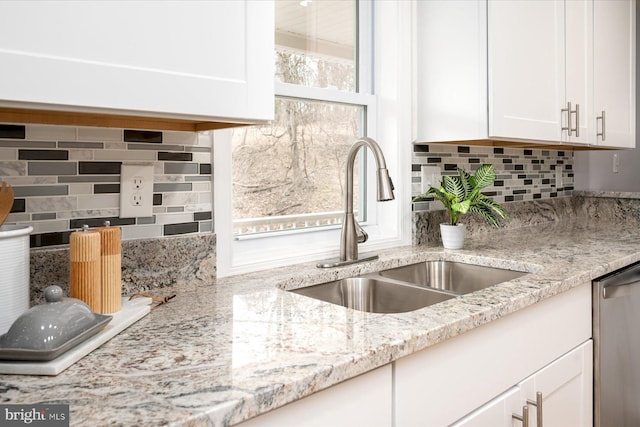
column 484, row 176
column 465, row 180
column 453, row 185
column 486, row 213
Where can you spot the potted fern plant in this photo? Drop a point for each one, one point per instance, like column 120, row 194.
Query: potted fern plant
column 461, row 195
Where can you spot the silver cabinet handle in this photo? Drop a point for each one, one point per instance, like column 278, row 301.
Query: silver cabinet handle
column 601, row 134
column 568, row 110
column 524, row 418
column 538, row 405
column 570, row 113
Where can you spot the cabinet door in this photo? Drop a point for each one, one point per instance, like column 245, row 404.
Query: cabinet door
column 497, row 413
column 567, row 390
column 452, row 76
column 194, row 59
column 579, row 70
column 526, row 69
column 614, row 71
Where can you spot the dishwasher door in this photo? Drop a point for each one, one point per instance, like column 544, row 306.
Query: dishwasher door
column 616, row 337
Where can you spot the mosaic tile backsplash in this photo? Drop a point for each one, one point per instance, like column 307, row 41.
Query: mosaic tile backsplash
column 522, row 174
column 64, row 177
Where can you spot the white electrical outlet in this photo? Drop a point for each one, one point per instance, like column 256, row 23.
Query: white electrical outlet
column 136, row 190
column 430, row 176
column 616, row 163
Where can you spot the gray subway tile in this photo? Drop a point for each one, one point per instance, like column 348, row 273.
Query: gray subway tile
column 157, row 147
column 106, row 188
column 79, row 144
column 88, row 178
column 198, row 178
column 180, row 168
column 206, row 226
column 164, row 187
column 43, row 216
column 182, row 228
column 146, row 220
column 28, row 144
column 198, row 149
column 171, row 209
column 41, row 190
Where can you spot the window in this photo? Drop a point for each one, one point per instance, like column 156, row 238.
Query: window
column 289, row 175
column 281, row 201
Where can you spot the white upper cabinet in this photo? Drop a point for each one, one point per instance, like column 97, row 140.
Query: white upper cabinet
column 209, row 60
column 532, row 70
column 614, row 72
column 451, row 84
column 526, row 69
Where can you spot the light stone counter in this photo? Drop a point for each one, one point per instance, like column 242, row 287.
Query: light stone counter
column 218, row 355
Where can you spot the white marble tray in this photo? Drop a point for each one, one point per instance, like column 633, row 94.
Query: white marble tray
column 131, row 312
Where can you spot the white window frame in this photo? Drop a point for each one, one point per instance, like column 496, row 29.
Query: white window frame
column 387, row 97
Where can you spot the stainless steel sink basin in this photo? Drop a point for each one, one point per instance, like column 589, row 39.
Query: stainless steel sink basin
column 374, row 295
column 451, row 276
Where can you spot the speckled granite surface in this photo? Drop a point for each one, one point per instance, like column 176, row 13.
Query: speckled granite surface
column 218, row 355
column 146, row 264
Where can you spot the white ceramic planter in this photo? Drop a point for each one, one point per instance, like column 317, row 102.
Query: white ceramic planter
column 14, row 273
column 453, row 235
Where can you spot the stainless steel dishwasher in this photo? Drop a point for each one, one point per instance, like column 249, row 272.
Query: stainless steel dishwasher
column 616, row 337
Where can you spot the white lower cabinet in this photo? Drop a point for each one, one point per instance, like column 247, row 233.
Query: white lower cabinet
column 364, row 401
column 443, row 383
column 560, row 394
column 566, row 390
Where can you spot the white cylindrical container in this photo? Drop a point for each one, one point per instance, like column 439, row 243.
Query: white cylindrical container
column 14, row 273
column 453, row 235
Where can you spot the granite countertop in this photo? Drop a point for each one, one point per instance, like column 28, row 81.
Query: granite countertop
column 220, row 354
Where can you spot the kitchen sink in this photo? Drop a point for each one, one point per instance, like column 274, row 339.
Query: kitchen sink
column 374, row 295
column 451, row 276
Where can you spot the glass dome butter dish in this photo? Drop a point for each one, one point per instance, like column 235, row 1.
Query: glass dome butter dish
column 48, row 330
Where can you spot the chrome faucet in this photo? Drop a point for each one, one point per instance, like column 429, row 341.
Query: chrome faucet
column 352, row 233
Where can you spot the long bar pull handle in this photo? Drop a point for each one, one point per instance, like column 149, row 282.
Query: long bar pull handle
column 601, row 134
column 621, row 290
column 568, row 110
column 538, row 405
column 524, row 418
column 577, row 113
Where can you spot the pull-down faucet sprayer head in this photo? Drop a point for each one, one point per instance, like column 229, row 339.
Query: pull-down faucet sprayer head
column 385, row 185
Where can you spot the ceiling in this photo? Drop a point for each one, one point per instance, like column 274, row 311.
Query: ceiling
column 326, row 27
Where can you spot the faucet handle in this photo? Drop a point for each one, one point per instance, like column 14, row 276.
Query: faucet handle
column 362, row 235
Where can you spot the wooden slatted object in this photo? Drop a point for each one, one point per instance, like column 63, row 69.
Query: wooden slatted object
column 84, row 253
column 111, row 268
